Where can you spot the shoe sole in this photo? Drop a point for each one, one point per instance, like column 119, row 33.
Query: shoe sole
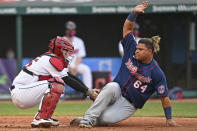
column 54, row 122
column 42, row 125
column 55, row 125
column 84, row 126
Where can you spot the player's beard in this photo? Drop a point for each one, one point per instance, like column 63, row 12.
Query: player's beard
column 136, row 56
column 139, row 57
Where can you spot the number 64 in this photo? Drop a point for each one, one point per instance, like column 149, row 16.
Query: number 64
column 138, row 84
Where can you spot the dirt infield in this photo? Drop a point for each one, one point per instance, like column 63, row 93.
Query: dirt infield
column 22, row 123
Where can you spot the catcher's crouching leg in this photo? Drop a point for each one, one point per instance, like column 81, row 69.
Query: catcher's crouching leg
column 48, row 104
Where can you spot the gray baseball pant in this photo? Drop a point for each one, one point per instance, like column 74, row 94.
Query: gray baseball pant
column 109, row 107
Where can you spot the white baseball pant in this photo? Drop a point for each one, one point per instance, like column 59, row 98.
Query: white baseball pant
column 28, row 96
column 86, row 73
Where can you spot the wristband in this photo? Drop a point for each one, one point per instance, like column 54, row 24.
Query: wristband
column 132, row 16
column 168, row 112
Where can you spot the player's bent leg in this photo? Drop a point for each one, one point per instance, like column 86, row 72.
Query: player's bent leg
column 120, row 110
column 48, row 104
column 30, row 95
column 108, row 96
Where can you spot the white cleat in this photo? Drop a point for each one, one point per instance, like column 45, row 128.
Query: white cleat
column 54, row 122
column 41, row 123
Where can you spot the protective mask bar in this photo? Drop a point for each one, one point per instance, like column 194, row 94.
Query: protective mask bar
column 69, row 59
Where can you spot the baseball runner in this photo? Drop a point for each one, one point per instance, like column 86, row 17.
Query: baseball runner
column 138, row 78
column 42, row 81
column 76, row 66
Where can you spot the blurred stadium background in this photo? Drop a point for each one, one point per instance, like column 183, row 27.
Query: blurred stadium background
column 26, row 26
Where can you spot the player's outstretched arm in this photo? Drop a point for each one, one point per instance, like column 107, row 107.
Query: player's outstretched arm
column 168, row 112
column 78, row 85
column 130, row 21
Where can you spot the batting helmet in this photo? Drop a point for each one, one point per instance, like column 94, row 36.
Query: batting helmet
column 58, row 43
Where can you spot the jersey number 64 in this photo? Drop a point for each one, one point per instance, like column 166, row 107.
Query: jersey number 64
column 138, row 84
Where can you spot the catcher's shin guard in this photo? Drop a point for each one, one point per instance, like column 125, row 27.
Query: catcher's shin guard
column 50, row 99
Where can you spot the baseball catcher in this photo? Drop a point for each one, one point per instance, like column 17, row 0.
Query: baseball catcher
column 42, row 81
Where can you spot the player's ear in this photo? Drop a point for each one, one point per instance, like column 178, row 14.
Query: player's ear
column 150, row 51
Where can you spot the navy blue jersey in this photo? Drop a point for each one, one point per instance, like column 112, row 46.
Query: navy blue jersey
column 139, row 81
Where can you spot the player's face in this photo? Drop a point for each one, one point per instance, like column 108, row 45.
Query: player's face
column 65, row 53
column 142, row 53
column 70, row 33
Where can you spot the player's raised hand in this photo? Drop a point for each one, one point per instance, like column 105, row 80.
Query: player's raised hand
column 141, row 7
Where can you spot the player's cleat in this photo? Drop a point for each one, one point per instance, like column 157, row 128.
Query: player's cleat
column 85, row 123
column 54, row 122
column 43, row 123
column 75, row 121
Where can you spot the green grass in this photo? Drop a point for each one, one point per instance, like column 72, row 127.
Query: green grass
column 179, row 109
column 151, row 108
column 72, row 109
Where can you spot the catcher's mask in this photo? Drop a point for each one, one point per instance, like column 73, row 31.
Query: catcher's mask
column 60, row 43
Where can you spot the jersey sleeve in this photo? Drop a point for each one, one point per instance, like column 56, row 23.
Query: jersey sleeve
column 161, row 85
column 120, row 48
column 129, row 43
column 52, row 70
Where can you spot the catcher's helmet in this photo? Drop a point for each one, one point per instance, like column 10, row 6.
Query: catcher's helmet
column 58, row 43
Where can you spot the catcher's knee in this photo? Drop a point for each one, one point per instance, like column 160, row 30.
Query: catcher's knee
column 56, row 85
column 20, row 106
